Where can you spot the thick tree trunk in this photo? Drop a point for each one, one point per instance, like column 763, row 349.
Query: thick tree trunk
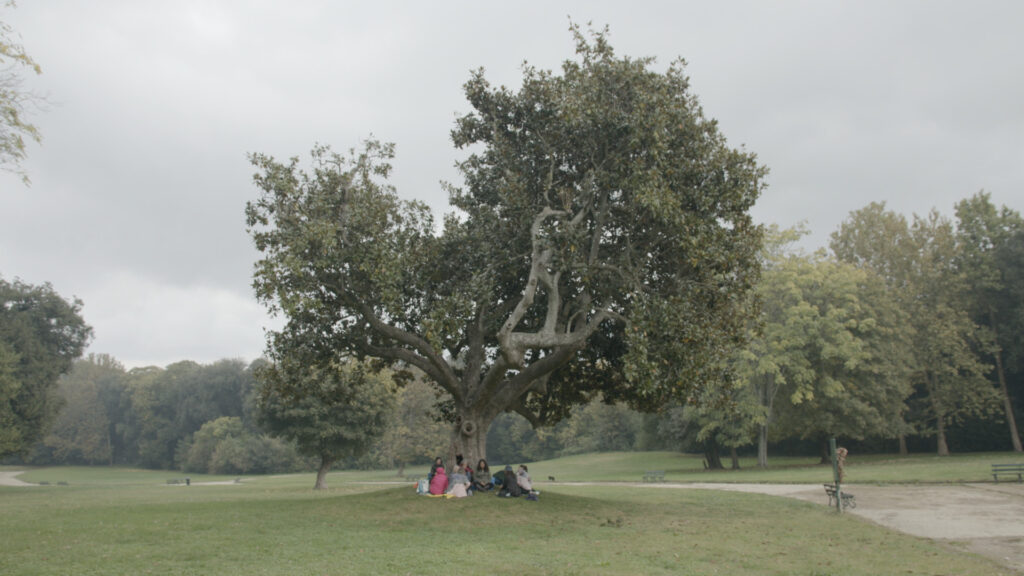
column 903, row 445
column 712, row 456
column 766, row 399
column 762, row 447
column 940, row 436
column 469, row 439
column 321, row 474
column 1011, row 421
column 401, row 469
column 735, row 458
column 940, row 417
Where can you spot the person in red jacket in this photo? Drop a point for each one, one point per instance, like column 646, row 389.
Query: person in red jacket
column 439, row 483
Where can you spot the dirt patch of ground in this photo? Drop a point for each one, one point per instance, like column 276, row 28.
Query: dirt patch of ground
column 987, row 519
column 11, row 479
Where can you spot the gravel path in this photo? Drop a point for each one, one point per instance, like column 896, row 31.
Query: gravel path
column 10, row 479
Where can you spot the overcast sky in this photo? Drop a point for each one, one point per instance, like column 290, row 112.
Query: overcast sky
column 139, row 187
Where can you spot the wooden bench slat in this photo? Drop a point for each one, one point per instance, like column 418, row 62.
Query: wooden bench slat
column 1008, row 470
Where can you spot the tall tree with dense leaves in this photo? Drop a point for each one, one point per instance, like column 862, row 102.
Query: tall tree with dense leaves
column 41, row 334
column 948, row 369
column 90, row 427
column 415, row 435
column 332, row 412
column 169, row 405
column 918, row 262
column 850, row 343
column 984, row 234
column 603, row 244
column 829, row 358
column 15, row 101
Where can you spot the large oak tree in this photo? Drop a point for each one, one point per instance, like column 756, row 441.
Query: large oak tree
column 602, row 243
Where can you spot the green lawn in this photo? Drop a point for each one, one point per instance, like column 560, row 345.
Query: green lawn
column 877, row 469
column 119, row 521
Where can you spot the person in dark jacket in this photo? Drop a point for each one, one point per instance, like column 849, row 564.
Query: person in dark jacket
column 509, row 486
column 482, row 476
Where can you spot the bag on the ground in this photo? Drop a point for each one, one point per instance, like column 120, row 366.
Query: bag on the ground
column 423, row 486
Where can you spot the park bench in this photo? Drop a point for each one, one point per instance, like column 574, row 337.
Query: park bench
column 1008, row 470
column 654, row 476
column 848, row 499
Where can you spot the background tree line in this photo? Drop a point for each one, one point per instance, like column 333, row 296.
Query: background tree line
column 905, row 335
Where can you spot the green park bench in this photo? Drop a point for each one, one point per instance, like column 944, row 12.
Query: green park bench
column 848, row 499
column 1008, row 470
column 654, row 476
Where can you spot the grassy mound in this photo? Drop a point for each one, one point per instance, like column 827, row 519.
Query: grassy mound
column 104, row 523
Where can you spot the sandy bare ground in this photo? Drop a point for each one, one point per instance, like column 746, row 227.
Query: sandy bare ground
column 987, row 519
column 10, row 479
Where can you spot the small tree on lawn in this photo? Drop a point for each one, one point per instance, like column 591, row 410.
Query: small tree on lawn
column 332, row 412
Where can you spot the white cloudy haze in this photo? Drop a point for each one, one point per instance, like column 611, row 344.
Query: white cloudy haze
column 139, row 187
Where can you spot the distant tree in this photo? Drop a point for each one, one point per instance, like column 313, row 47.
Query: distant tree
column 90, row 427
column 169, row 405
column 41, row 334
column 985, row 235
column 603, row 243
column 415, row 434
column 332, row 412
column 199, row 452
column 81, row 432
column 918, row 263
column 599, row 427
column 10, row 434
column 1011, row 258
column 15, row 102
column 847, row 348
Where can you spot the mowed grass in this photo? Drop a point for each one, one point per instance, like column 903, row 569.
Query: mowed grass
column 118, row 521
column 866, row 469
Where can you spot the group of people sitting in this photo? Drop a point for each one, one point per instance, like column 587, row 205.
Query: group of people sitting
column 464, row 480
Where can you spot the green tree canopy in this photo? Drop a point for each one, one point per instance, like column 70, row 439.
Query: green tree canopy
column 415, row 434
column 602, row 244
column 333, row 412
column 171, row 404
column 986, row 237
column 41, row 334
column 918, row 262
column 829, row 356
